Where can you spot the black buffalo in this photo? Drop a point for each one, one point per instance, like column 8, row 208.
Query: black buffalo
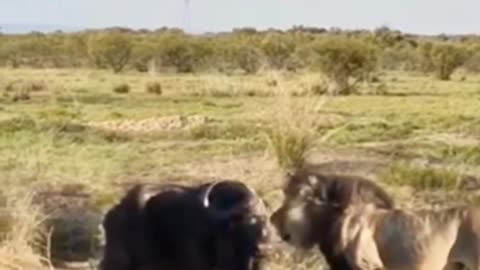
column 216, row 225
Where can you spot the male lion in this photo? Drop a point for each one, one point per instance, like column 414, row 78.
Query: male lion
column 373, row 238
column 304, row 223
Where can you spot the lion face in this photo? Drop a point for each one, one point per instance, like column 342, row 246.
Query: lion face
column 295, row 220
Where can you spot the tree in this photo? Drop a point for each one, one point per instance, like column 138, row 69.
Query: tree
column 183, row 52
column 143, row 52
column 341, row 59
column 277, row 48
column 445, row 58
column 110, row 48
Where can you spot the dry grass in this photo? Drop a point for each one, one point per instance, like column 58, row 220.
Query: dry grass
column 292, row 133
column 23, row 237
column 249, row 116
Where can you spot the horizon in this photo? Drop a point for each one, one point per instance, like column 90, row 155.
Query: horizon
column 425, row 18
column 27, row 28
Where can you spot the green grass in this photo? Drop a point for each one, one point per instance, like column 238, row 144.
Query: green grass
column 420, row 178
column 48, row 140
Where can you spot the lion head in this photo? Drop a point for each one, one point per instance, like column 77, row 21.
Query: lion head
column 311, row 199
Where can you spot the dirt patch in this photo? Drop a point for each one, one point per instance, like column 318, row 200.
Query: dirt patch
column 152, row 124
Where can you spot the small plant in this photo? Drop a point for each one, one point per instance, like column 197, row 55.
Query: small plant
column 272, row 83
column 21, row 90
column 290, row 146
column 291, row 136
column 318, row 89
column 121, row 88
column 154, row 88
column 420, row 177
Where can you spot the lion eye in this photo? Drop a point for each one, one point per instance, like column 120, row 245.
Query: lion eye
column 305, row 192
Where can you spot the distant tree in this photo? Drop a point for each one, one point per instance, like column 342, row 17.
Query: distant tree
column 387, row 38
column 183, row 52
column 473, row 62
column 143, row 52
column 277, row 49
column 112, row 49
column 342, row 60
column 239, row 53
column 443, row 58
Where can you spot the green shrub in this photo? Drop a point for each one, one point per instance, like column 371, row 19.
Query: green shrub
column 184, row 53
column 111, row 49
column 291, row 136
column 121, row 88
column 244, row 56
column 154, row 88
column 21, row 90
column 342, row 60
column 443, row 58
column 277, row 48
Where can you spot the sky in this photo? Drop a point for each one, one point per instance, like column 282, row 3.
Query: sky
column 413, row 16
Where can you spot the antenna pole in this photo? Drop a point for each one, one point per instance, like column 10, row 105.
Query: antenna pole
column 186, row 16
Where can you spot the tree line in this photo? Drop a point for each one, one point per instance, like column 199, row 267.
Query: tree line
column 345, row 56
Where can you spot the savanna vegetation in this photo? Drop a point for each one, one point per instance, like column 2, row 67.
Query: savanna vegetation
column 85, row 115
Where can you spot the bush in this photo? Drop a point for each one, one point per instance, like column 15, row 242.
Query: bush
column 242, row 55
column 443, row 58
column 277, row 48
column 28, row 86
column 473, row 63
column 184, row 53
column 21, row 90
column 342, row 59
column 110, row 49
column 121, row 88
column 154, row 88
column 142, row 54
column 291, row 136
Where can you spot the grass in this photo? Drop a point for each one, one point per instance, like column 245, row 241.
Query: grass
column 291, row 135
column 257, row 124
column 421, row 178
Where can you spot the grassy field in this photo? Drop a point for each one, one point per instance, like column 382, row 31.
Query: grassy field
column 77, row 143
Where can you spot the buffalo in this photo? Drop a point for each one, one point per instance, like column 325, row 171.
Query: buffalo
column 215, row 225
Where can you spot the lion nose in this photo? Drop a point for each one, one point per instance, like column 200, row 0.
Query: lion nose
column 285, row 237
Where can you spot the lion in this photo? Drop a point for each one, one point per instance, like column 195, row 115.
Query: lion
column 398, row 239
column 300, row 221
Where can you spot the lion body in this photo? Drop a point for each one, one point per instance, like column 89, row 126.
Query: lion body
column 302, row 223
column 397, row 239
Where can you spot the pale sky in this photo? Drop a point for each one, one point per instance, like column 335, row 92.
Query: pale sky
column 415, row 16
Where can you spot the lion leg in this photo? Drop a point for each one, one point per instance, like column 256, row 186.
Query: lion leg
column 363, row 253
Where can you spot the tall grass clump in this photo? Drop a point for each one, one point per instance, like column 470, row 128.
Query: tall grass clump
column 291, row 135
column 22, row 241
